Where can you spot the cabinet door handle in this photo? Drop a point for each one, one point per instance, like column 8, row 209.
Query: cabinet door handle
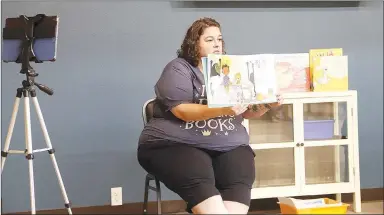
column 297, row 144
column 302, row 144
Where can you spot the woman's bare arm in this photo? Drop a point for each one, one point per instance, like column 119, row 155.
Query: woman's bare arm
column 197, row 112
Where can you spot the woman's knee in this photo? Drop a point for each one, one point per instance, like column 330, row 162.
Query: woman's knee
column 211, row 205
column 239, row 193
column 196, row 191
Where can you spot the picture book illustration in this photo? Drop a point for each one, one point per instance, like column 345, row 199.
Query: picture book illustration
column 292, row 71
column 314, row 60
column 204, row 62
column 234, row 79
column 330, row 74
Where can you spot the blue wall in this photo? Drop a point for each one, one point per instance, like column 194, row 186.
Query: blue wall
column 111, row 53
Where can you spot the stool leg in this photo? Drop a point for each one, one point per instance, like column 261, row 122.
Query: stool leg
column 158, row 192
column 146, row 189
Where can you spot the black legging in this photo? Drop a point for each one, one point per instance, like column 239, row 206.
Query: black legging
column 197, row 174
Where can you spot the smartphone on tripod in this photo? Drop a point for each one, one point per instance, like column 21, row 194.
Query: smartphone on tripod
column 45, row 42
column 27, row 39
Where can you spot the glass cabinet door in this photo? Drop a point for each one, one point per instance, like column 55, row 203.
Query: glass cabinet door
column 326, row 164
column 275, row 167
column 272, row 138
column 275, row 126
column 326, row 147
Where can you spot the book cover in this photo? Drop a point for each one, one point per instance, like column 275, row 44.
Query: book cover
column 314, row 60
column 331, row 74
column 234, row 79
column 292, row 72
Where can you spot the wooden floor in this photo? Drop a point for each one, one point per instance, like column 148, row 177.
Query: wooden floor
column 373, row 207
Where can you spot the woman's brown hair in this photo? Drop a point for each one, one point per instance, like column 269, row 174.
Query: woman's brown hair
column 189, row 49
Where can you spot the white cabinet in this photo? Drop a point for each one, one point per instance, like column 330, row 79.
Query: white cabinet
column 308, row 147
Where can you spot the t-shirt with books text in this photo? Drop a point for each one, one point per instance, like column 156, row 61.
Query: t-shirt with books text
column 179, row 83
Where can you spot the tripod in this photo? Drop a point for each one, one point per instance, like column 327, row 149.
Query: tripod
column 28, row 91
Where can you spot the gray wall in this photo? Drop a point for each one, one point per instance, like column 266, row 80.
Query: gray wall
column 111, row 53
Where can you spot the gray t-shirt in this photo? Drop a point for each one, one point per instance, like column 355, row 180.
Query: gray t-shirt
column 179, row 83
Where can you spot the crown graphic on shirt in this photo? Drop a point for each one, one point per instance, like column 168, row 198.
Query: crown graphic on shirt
column 206, row 132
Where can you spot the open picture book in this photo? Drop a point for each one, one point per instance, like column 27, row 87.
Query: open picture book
column 234, row 79
column 257, row 79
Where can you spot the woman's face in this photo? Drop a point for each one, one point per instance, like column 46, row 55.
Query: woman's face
column 211, row 42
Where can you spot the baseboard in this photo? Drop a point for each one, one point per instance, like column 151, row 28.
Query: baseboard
column 176, row 206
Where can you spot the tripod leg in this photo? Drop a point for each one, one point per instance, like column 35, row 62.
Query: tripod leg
column 29, row 152
column 51, row 150
column 4, row 153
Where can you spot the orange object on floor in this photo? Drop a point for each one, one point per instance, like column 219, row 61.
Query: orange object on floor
column 341, row 209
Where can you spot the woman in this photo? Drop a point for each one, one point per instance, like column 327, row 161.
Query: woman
column 200, row 153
